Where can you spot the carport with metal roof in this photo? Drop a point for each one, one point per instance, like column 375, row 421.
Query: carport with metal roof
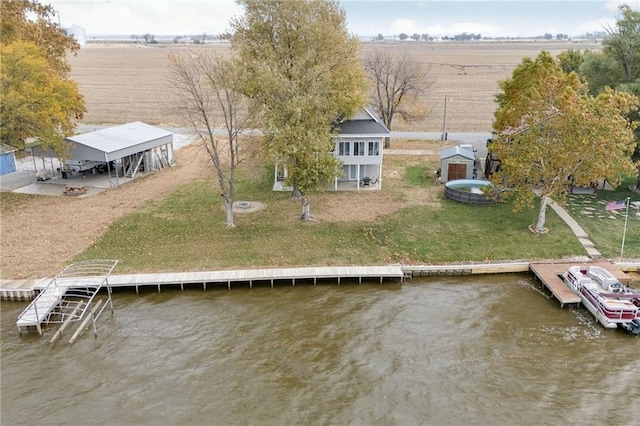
column 122, row 151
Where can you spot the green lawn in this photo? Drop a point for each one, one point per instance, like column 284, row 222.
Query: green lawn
column 606, row 228
column 187, row 231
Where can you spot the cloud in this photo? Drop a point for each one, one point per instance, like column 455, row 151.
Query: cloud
column 487, row 30
column 612, row 5
column 147, row 16
column 409, row 26
column 598, row 25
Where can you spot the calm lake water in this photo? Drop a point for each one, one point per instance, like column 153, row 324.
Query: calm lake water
column 491, row 350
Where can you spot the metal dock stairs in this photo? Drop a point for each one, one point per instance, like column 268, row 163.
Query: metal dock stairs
column 70, row 296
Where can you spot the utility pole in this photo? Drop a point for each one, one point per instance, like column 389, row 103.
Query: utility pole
column 443, row 137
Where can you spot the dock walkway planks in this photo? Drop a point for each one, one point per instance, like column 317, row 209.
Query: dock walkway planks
column 26, row 289
column 253, row 275
column 40, row 308
column 549, row 274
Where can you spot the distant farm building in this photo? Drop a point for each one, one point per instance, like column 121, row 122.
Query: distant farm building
column 78, row 33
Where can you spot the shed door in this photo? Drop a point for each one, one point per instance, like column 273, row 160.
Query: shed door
column 457, row 171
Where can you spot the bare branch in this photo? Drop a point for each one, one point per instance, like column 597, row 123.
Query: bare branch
column 209, row 91
column 398, row 82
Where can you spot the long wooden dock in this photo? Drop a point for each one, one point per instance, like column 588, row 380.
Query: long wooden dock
column 549, row 273
column 252, row 276
column 27, row 289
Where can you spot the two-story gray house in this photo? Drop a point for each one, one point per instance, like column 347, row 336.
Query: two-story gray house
column 359, row 145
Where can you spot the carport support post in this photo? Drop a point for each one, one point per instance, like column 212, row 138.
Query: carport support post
column 106, row 160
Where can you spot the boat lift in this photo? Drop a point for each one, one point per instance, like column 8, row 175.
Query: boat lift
column 69, row 297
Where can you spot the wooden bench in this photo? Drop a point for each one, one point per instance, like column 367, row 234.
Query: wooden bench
column 75, row 190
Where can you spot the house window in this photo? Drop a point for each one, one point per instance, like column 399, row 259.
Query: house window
column 358, row 148
column 343, row 149
column 374, row 148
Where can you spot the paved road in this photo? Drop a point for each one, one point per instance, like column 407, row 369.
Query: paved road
column 478, row 140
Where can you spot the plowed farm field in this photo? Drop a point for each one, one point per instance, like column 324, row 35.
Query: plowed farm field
column 133, row 82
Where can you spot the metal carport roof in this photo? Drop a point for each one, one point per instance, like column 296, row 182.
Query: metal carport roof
column 116, row 142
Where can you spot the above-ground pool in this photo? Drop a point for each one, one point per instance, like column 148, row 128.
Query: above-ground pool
column 469, row 191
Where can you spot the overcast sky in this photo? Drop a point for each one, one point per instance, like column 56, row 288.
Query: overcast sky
column 506, row 18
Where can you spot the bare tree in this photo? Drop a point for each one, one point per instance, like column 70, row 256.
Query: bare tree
column 399, row 82
column 208, row 86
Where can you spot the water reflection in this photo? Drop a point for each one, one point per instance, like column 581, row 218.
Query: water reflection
column 446, row 350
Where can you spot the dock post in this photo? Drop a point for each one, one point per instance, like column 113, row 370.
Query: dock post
column 229, row 285
column 38, row 325
column 293, row 282
column 359, row 280
column 338, row 279
column 65, row 324
column 158, row 287
column 109, row 291
column 271, row 282
column 250, row 284
column 182, row 286
column 83, row 324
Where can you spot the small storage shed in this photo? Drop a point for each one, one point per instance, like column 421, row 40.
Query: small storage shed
column 7, row 159
column 457, row 162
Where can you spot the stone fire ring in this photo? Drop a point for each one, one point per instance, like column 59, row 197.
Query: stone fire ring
column 248, row 206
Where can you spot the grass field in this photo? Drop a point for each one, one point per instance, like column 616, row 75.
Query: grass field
column 606, row 228
column 186, row 231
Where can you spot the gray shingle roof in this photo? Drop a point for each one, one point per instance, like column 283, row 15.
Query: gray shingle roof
column 371, row 126
column 360, row 127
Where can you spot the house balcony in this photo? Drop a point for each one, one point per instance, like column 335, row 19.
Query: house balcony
column 352, row 185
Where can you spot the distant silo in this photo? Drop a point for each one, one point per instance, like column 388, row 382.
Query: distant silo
column 77, row 32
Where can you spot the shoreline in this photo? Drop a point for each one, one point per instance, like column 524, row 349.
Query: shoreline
column 27, row 289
